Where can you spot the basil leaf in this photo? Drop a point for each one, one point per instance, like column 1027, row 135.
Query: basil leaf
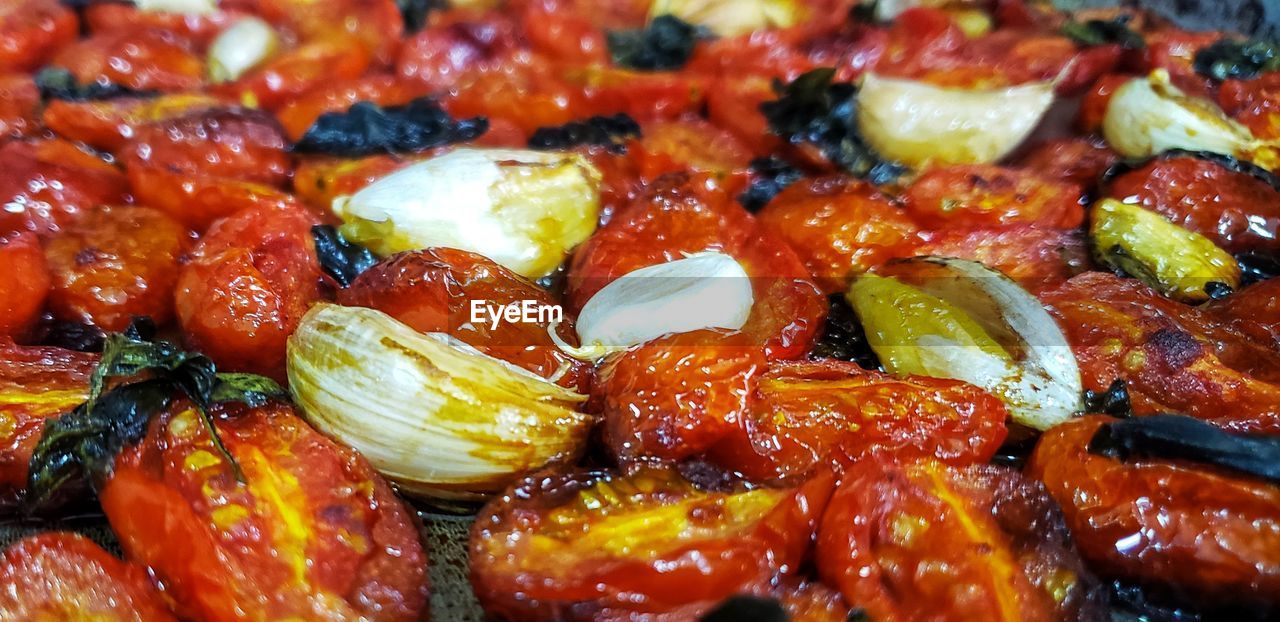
column 1114, row 400
column 1179, row 437
column 59, row 83
column 1257, row 266
column 367, row 129
column 1228, row 162
column 249, row 389
column 746, row 609
column 416, row 12
column 1235, row 59
column 339, row 258
column 769, row 176
column 612, row 132
column 1103, row 32
column 665, row 44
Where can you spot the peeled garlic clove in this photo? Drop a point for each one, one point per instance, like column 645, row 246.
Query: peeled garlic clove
column 916, row 123
column 1147, row 116
column 434, row 415
column 523, row 209
column 1182, row 264
column 704, row 290
column 953, row 318
column 729, row 18
column 241, row 47
column 189, row 7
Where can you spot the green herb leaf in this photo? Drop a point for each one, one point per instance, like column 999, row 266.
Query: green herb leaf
column 769, row 176
column 665, row 44
column 813, row 109
column 251, row 390
column 1235, row 59
column 339, row 258
column 1179, row 437
column 1104, row 32
column 367, row 128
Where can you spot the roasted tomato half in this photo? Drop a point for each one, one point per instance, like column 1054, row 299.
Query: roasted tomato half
column 47, row 184
column 1255, row 103
column 596, row 545
column 64, row 576
column 1079, row 161
column 110, row 124
column 985, row 196
column 19, row 106
column 24, row 283
column 1204, row 534
column 1037, row 258
column 144, row 59
column 310, row 533
column 32, row 30
column 924, row 541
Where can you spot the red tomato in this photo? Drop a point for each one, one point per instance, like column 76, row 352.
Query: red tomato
column 199, row 28
column 312, row 531
column 48, row 184
column 310, row 65
column 920, row 39
column 645, row 95
column 24, row 283
column 1078, row 161
column 734, row 104
column 561, row 35
column 806, row 416
column 376, row 26
column 1255, row 103
column 110, row 124
column 36, row 384
column 1175, row 50
column 65, row 576
column 248, row 283
column 924, row 541
column 319, row 180
column 812, row 602
column 432, row 291
column 457, row 44
column 116, row 263
column 530, row 96
column 839, row 227
column 299, row 114
column 19, row 106
column 1253, row 311
column 1207, row 535
column 1093, row 108
column 596, row 545
column 1238, row 211
column 32, row 30
column 687, row 144
column 148, row 59
column 1036, row 257
column 764, row 54
column 979, row 195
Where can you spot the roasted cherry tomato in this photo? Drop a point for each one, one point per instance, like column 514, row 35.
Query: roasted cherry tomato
column 681, row 214
column 688, row 144
column 375, row 25
column 1253, row 311
column 246, row 287
column 1255, row 103
column 1175, row 50
column 676, row 396
column 920, row 39
column 311, row 532
column 314, row 63
column 19, row 106
column 199, row 28
column 1205, row 534
column 458, row 43
column 148, row 59
column 433, row 291
column 36, row 384
column 1236, row 210
column 924, row 541
column 300, row 113
column 1093, row 107
column 645, row 95
column 1078, row 161
column 812, row 602
column 110, row 124
column 24, row 283
column 32, row 30
column 805, row 416
column 985, row 196
column 734, row 104
column 597, row 545
column 839, row 227
column 563, row 35
column 1174, row 358
column 529, row 95
column 47, row 184
column 116, row 263
column 65, row 576
column 320, row 180
column 1036, row 257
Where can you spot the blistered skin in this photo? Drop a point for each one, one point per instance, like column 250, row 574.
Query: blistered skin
column 32, row 30
column 48, row 184
column 1235, row 210
column 1173, row 357
column 433, row 291
column 600, row 546
column 1205, row 534
column 1038, row 258
column 312, row 64
column 1079, row 161
column 984, row 196
column 923, row 541
column 1255, row 103
column 147, row 59
column 1253, row 311
column 65, row 576
column 24, row 283
column 110, row 124
column 311, row 533
column 806, row 416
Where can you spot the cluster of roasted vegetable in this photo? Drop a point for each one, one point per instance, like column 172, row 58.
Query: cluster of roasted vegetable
column 714, row 309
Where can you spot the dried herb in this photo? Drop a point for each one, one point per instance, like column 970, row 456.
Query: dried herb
column 611, row 131
column 1114, row 400
column 59, row 83
column 416, row 12
column 1179, row 437
column 746, row 609
column 769, row 176
column 665, row 44
column 1237, row 59
column 339, row 258
column 812, row 109
column 843, row 337
column 1104, row 32
column 367, row 129
column 1257, row 266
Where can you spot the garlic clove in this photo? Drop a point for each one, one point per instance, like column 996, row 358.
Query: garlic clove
column 241, row 47
column 189, row 7
column 729, row 18
column 523, row 209
column 916, row 123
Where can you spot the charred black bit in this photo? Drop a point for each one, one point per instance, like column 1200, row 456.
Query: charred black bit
column 1183, row 438
column 1237, row 59
column 339, row 258
column 769, row 176
column 843, row 338
column 813, row 109
column 1017, row 448
column 1217, row 290
column 1114, row 400
column 1228, row 162
column 59, row 83
column 864, row 12
column 665, row 44
column 1256, row 266
column 746, row 609
column 1102, row 32
column 415, row 12
column 1134, row 603
column 611, row 131
column 77, row 450
column 74, row 336
column 858, row 614
column 367, row 129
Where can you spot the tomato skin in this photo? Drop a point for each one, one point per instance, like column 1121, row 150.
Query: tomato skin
column 312, row 64
column 249, row 282
column 24, row 283
column 432, row 291
column 1093, row 107
column 313, row 531
column 1235, row 210
column 65, row 576
column 36, row 383
column 922, row 541
column 1253, row 311
column 297, row 116
column 561, row 35
column 32, row 30
column 680, row 576
column 1210, row 536
column 1173, row 357
column 920, row 39
column 1078, row 161
column 688, row 144
column 528, row 95
column 147, row 59
column 110, row 124
column 839, row 227
column 982, row 196
column 1175, row 50
column 53, row 182
column 319, row 180
column 199, row 28
column 1255, row 103
column 644, row 95
column 19, row 106
column 805, row 416
column 116, row 263
column 812, row 602
column 375, row 26
column 734, row 104
column 1038, row 258
column 457, row 44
